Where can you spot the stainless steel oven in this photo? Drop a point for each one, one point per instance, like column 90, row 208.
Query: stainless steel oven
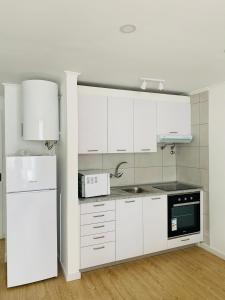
column 184, row 215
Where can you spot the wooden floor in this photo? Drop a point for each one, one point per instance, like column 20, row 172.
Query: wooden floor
column 191, row 273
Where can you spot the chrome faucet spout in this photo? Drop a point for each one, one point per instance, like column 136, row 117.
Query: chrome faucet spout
column 118, row 174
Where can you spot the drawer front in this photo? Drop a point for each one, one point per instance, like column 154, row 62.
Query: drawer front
column 97, row 217
column 97, row 255
column 96, row 239
column 185, row 240
column 94, row 207
column 97, row 228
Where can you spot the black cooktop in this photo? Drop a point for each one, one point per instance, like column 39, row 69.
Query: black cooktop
column 174, row 186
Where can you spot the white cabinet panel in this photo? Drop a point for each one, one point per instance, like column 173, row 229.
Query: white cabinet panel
column 129, row 228
column 155, row 224
column 97, row 255
column 90, row 240
column 120, row 124
column 97, row 228
column 145, row 125
column 93, row 207
column 100, row 217
column 174, row 117
column 92, row 123
column 185, row 240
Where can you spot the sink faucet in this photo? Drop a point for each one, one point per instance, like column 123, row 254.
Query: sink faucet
column 118, row 174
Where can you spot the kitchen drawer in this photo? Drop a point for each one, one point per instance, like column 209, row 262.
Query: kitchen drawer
column 97, row 228
column 185, row 240
column 93, row 207
column 96, row 239
column 98, row 217
column 97, row 255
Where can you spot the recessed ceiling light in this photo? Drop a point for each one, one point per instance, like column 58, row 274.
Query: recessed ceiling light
column 128, row 28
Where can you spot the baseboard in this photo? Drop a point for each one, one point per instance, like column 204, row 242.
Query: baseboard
column 212, row 250
column 71, row 276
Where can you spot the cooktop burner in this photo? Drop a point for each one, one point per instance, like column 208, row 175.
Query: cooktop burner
column 174, row 186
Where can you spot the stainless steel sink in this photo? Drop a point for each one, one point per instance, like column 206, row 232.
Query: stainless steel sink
column 134, row 190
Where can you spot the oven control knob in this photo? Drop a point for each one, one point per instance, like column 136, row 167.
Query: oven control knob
column 185, row 199
column 179, row 199
column 191, row 198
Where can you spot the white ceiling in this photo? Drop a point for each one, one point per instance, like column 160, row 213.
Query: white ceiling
column 180, row 41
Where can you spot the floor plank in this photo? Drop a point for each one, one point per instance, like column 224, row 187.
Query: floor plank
column 190, row 273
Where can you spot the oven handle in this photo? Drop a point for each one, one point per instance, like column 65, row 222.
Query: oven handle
column 185, row 204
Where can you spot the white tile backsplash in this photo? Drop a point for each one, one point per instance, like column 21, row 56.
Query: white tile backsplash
column 147, row 175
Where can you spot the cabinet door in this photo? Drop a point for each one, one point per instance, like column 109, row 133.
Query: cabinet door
column 120, row 124
column 155, row 224
column 174, row 117
column 129, row 230
column 92, row 124
column 145, row 132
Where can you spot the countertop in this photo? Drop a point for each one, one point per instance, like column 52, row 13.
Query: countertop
column 117, row 193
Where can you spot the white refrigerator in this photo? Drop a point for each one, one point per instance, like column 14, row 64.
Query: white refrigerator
column 31, row 213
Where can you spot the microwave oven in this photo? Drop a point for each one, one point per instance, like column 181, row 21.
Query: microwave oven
column 93, row 184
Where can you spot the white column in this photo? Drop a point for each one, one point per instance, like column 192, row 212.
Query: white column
column 68, row 179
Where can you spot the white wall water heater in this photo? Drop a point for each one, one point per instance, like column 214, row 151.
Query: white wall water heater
column 40, row 110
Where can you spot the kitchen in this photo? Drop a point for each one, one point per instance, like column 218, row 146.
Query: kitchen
column 112, row 173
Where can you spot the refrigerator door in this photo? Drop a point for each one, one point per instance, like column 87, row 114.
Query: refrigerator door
column 29, row 173
column 31, row 237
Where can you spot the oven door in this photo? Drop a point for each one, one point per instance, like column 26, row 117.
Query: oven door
column 183, row 216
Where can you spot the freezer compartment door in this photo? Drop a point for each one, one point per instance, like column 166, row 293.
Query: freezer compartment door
column 31, row 237
column 27, row 173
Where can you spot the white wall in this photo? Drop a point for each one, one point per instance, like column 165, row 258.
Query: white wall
column 217, row 167
column 67, row 153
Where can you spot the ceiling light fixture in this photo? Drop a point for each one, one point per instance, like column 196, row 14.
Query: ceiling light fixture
column 127, row 28
column 153, row 80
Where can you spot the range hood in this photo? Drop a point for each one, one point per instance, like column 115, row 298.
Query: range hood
column 174, row 138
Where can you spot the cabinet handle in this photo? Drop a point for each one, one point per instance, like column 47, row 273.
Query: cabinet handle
column 121, row 150
column 98, row 216
column 98, row 237
column 184, row 240
column 98, row 248
column 157, row 198
column 99, row 226
column 129, row 201
column 145, row 149
column 173, row 132
column 93, row 150
column 96, row 205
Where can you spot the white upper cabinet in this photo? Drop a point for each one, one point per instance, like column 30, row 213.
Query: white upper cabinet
column 155, row 223
column 129, row 228
column 120, row 124
column 145, row 125
column 174, row 117
column 92, row 123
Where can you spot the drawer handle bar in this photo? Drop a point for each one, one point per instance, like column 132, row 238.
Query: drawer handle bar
column 93, row 150
column 129, row 201
column 145, row 149
column 157, row 198
column 98, row 237
column 98, row 216
column 100, row 226
column 184, row 240
column 121, row 150
column 98, row 248
column 96, row 205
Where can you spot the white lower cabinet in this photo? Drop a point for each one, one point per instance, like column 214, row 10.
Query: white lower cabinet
column 155, row 223
column 97, row 234
column 129, row 228
column 185, row 240
column 97, row 255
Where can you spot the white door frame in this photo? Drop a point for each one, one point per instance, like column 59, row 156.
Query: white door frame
column 1, row 182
